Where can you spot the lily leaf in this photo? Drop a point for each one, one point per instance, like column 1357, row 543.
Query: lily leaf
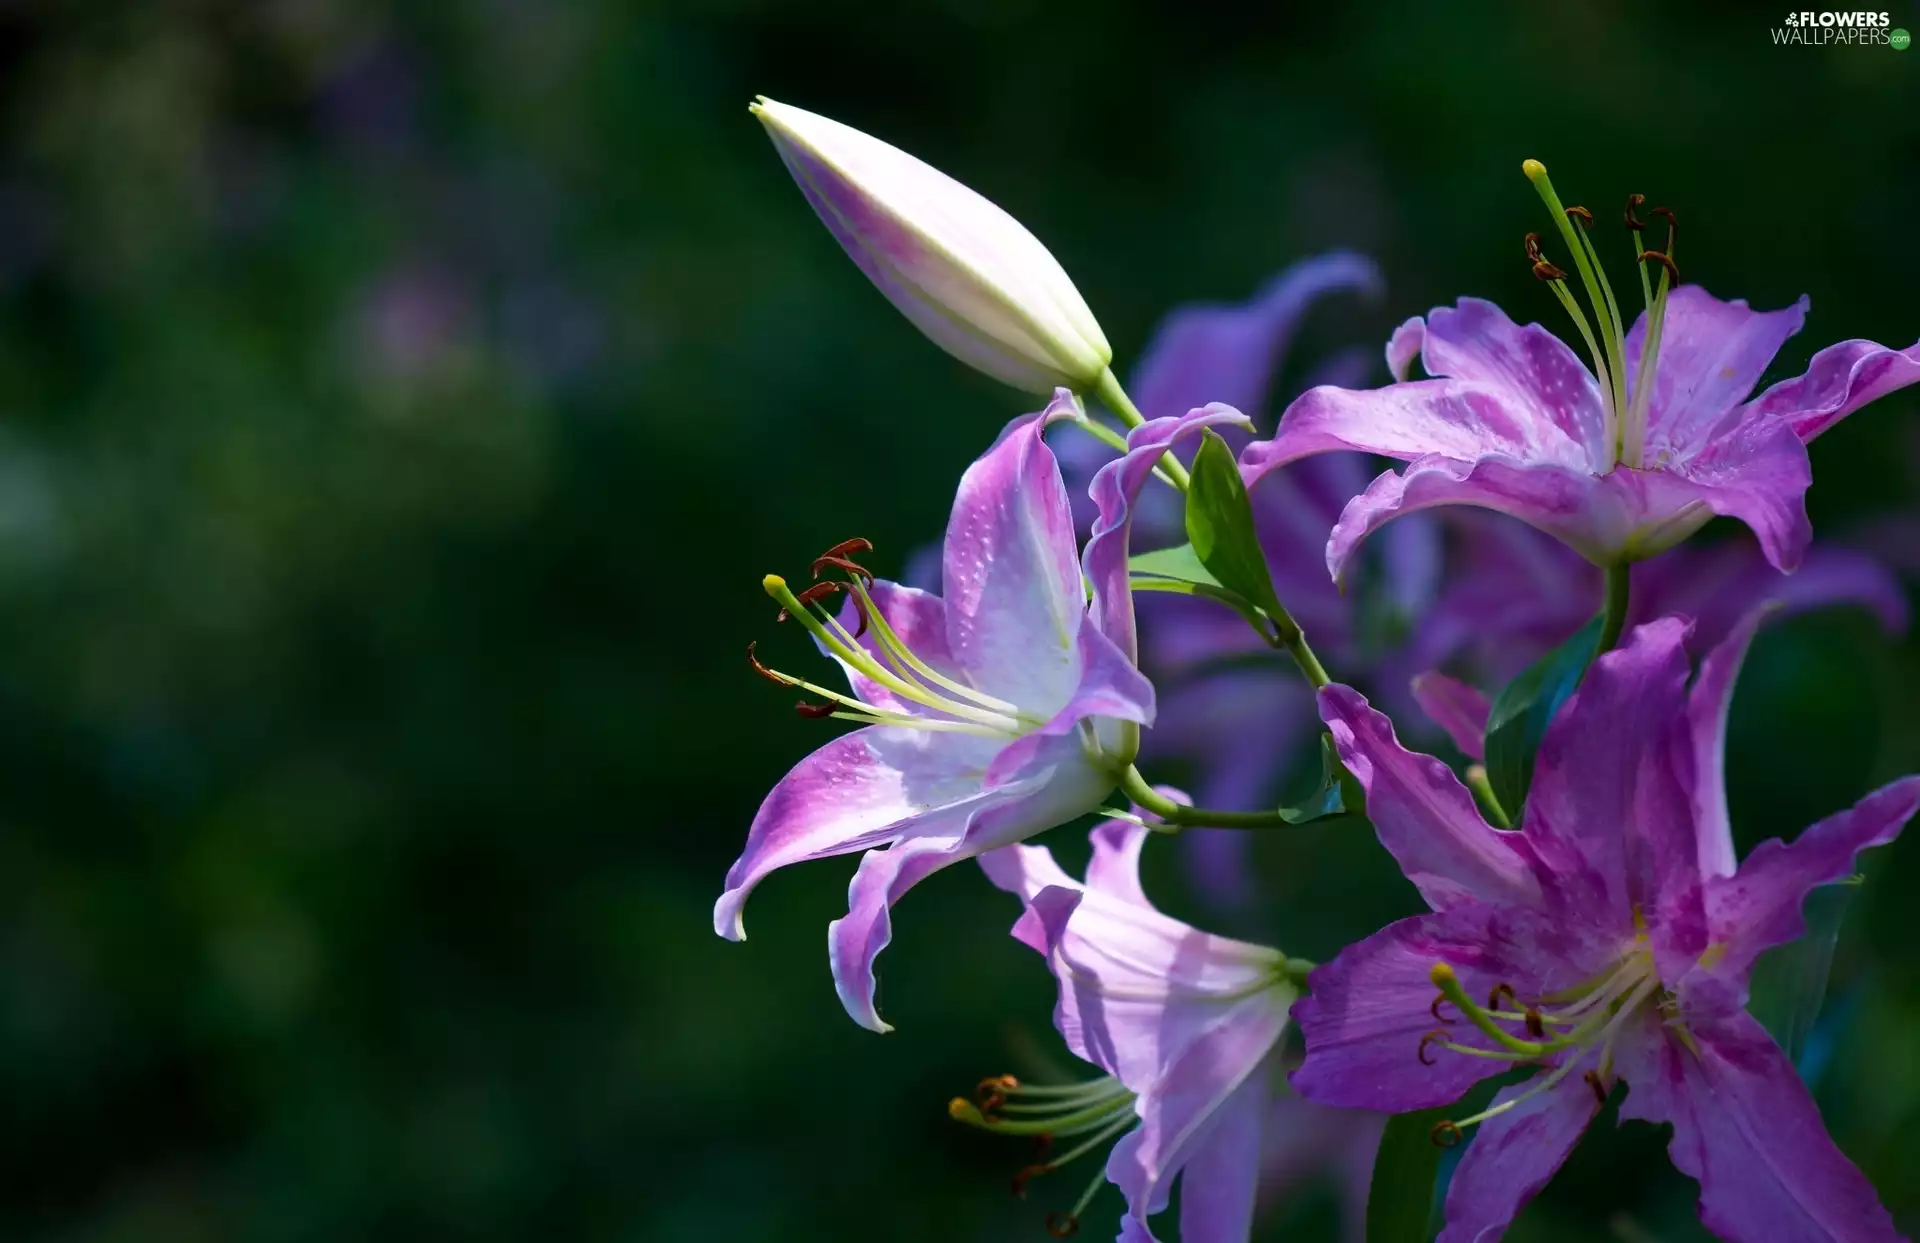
column 1790, row 981
column 1519, row 717
column 1180, row 563
column 1220, row 526
column 1401, row 1202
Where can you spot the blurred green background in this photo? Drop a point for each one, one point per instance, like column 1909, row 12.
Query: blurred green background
column 398, row 407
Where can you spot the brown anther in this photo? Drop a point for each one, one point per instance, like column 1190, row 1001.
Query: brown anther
column 1445, row 1134
column 848, row 547
column 812, row 595
column 1542, row 270
column 1599, row 1089
column 1041, row 1143
column 1027, row 1175
column 1062, row 1225
column 1581, row 214
column 754, row 660
column 1673, row 223
column 1499, row 991
column 1654, row 256
column 1434, row 1009
column 1426, row 1040
column 991, row 1093
column 1633, row 221
column 853, row 568
column 814, row 712
column 1536, row 1027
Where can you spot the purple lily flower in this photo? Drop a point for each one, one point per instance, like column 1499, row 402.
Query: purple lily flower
column 1186, row 1024
column 1612, row 936
column 1620, row 462
column 1000, row 710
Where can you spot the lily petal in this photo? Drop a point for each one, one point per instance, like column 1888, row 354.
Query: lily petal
column 1111, row 688
column 1531, row 368
column 1423, row 815
column 1513, row 1156
column 1010, row 571
column 1759, row 905
column 1712, row 353
column 1219, row 1181
column 1227, row 354
column 1115, row 489
column 860, row 790
column 1840, row 379
column 1746, row 1129
column 1203, row 1118
column 1404, row 346
column 1707, row 708
column 1457, row 708
column 1366, row 1009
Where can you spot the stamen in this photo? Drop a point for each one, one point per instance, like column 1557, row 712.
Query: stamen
column 1611, row 371
column 1535, row 1028
column 1581, row 214
column 1025, row 1175
column 991, row 1093
column 854, row 568
column 1542, row 270
column 1434, row 1009
column 1063, row 1225
column 1654, row 256
column 812, row 595
column 1426, row 1040
column 840, row 554
column 1445, row 1134
column 814, row 712
column 1633, row 221
column 754, row 660
column 1593, row 1081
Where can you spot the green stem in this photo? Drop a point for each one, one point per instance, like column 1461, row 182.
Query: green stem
column 1295, row 641
column 1482, row 786
column 1178, row 816
column 1297, row 970
column 1614, row 610
column 1109, row 391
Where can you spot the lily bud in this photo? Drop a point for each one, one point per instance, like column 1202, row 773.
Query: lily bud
column 965, row 272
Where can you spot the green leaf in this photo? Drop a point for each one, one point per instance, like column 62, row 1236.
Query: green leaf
column 1790, row 981
column 1338, row 795
column 1181, row 564
column 1400, row 1200
column 1519, row 717
column 1220, row 526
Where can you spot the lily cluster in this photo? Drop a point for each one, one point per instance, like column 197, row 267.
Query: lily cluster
column 1591, row 922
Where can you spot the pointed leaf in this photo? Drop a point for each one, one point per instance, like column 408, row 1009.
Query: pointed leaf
column 1519, row 717
column 1180, row 563
column 1220, row 526
column 1790, row 981
column 1400, row 1200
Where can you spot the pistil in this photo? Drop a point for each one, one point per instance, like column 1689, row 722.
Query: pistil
column 1592, row 1016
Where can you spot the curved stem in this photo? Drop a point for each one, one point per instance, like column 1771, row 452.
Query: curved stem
column 1296, row 644
column 1177, row 816
column 1109, row 391
column 1614, row 609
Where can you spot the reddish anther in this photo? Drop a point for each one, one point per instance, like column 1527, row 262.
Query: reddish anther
column 1425, row 1040
column 1542, row 269
column 1599, row 1089
column 1633, row 221
column 1673, row 223
column 754, row 660
column 1434, row 1009
column 1027, row 1175
column 1654, row 256
column 1062, row 1225
column 814, row 712
column 991, row 1093
column 1444, row 1134
column 1536, row 1027
column 1499, row 991
column 1581, row 214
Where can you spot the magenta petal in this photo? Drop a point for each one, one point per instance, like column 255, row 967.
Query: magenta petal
column 1366, row 1009
column 1759, row 473
column 1707, row 707
column 856, row 939
column 860, row 790
column 1010, row 572
column 1745, row 1128
column 1608, row 809
column 1514, row 1155
column 1423, row 815
column 1115, row 489
column 1532, row 369
column 1228, row 354
column 1451, row 418
column 1455, row 707
column 1203, row 1084
column 1712, row 353
column 1219, row 1182
column 1404, row 346
column 1839, row 380
column 1759, row 905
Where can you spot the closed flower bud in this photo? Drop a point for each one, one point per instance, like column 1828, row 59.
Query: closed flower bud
column 964, row 271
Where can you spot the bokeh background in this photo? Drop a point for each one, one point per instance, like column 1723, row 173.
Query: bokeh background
column 399, row 406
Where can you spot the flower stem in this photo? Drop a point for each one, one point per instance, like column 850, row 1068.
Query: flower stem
column 1109, row 391
column 1295, row 641
column 1176, row 816
column 1614, row 610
